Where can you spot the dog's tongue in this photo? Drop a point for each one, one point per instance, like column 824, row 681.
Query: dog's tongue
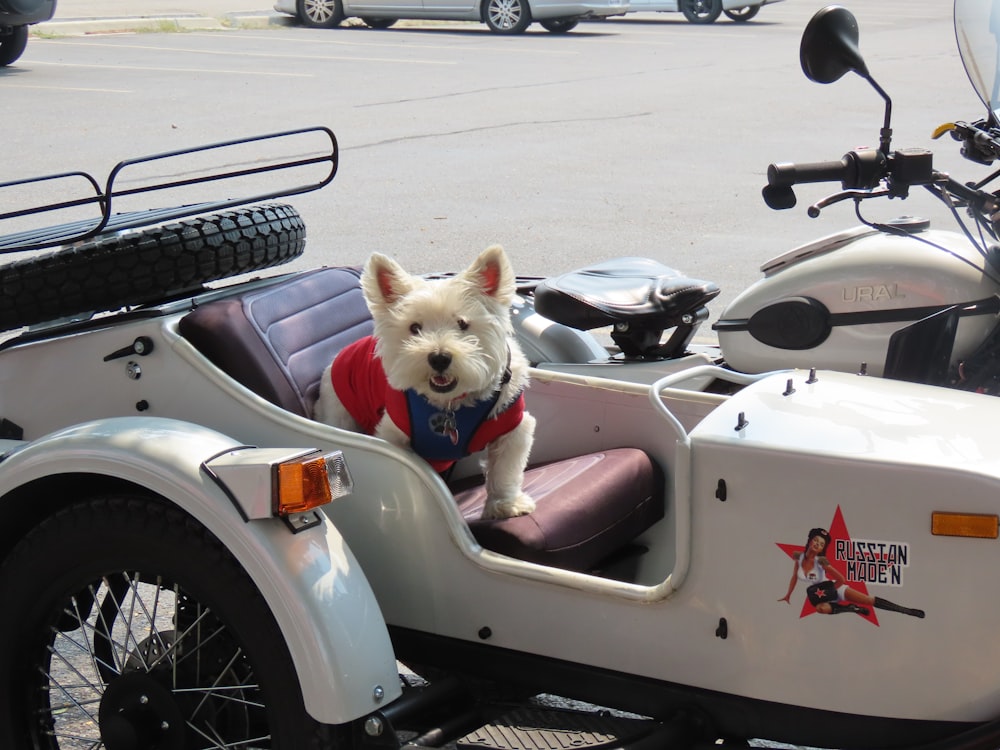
column 442, row 383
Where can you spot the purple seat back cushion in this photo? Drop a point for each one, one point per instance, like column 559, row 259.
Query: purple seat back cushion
column 278, row 340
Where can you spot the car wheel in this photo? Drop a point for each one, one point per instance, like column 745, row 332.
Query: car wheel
column 320, row 14
column 701, row 11
column 132, row 626
column 507, row 16
column 145, row 265
column 742, row 14
column 13, row 44
column 559, row 25
column 379, row 23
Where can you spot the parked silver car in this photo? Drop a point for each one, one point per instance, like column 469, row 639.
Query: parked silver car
column 703, row 11
column 501, row 16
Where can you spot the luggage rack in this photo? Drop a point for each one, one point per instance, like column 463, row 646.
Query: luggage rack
column 76, row 231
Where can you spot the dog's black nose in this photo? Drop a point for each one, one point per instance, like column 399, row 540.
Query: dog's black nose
column 439, row 361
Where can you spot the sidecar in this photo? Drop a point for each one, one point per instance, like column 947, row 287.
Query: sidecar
column 188, row 560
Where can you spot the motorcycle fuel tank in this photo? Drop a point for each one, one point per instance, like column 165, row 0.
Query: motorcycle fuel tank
column 835, row 303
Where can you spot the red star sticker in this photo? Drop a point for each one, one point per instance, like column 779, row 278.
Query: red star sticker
column 838, row 530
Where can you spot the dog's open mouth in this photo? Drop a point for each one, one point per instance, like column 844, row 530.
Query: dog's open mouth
column 442, row 383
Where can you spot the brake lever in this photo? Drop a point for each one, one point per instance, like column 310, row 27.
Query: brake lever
column 856, row 195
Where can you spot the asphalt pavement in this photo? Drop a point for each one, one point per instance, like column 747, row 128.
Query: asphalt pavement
column 77, row 17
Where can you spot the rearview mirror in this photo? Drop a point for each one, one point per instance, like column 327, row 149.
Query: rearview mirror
column 829, row 46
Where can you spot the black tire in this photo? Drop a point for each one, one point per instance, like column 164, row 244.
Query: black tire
column 559, row 25
column 13, row 44
column 379, row 23
column 320, row 14
column 194, row 642
column 507, row 16
column 701, row 11
column 147, row 265
column 743, row 14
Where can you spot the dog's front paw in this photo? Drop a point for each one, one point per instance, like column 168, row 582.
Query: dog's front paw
column 520, row 505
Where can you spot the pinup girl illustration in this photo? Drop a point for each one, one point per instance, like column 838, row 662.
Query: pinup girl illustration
column 827, row 588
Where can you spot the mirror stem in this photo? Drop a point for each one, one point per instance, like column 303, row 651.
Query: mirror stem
column 885, row 135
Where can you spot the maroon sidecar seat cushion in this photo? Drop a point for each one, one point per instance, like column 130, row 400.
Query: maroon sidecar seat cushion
column 277, row 340
column 588, row 507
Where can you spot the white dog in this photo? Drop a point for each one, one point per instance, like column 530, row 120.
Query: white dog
column 441, row 374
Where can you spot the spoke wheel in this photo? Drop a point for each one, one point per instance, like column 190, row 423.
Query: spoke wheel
column 320, row 14
column 507, row 16
column 742, row 14
column 701, row 11
column 135, row 629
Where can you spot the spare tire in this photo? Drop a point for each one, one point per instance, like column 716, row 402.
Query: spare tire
column 140, row 266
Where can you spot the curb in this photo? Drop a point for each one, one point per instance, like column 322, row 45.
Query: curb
column 182, row 22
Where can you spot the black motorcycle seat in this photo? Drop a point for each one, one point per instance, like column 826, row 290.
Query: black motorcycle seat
column 638, row 291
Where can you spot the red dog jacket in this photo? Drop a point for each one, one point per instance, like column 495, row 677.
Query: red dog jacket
column 440, row 437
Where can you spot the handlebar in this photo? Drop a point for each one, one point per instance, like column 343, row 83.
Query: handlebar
column 863, row 169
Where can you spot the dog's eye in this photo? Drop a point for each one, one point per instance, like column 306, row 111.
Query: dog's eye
column 463, row 324
column 415, row 328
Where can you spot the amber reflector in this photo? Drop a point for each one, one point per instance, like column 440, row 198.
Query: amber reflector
column 977, row 525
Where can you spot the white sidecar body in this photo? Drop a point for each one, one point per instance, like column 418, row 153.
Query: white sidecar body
column 684, row 615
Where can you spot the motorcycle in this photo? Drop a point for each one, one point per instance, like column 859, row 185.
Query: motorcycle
column 895, row 298
column 189, row 560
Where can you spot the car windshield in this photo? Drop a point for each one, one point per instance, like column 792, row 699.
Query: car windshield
column 977, row 31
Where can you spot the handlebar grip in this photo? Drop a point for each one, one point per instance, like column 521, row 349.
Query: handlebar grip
column 789, row 173
column 861, row 169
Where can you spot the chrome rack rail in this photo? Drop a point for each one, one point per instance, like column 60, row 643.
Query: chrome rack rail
column 76, row 231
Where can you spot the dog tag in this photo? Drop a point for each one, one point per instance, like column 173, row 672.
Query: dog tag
column 443, row 423
column 451, row 428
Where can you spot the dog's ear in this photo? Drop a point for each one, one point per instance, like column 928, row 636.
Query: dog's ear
column 492, row 274
column 384, row 281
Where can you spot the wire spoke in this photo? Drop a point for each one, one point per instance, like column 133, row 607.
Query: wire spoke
column 54, row 683
column 78, row 738
column 106, row 630
column 219, row 693
column 220, row 744
column 170, row 650
column 95, row 660
column 154, row 636
column 222, row 672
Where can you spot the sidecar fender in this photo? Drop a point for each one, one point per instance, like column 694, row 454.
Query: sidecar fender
column 313, row 584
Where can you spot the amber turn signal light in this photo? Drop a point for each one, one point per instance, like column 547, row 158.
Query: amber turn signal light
column 309, row 482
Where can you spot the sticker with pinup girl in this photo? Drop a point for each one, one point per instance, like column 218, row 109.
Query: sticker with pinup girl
column 828, row 591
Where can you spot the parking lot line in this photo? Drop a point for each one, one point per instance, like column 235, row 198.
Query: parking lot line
column 264, row 55
column 66, row 88
column 200, row 71
column 368, row 44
